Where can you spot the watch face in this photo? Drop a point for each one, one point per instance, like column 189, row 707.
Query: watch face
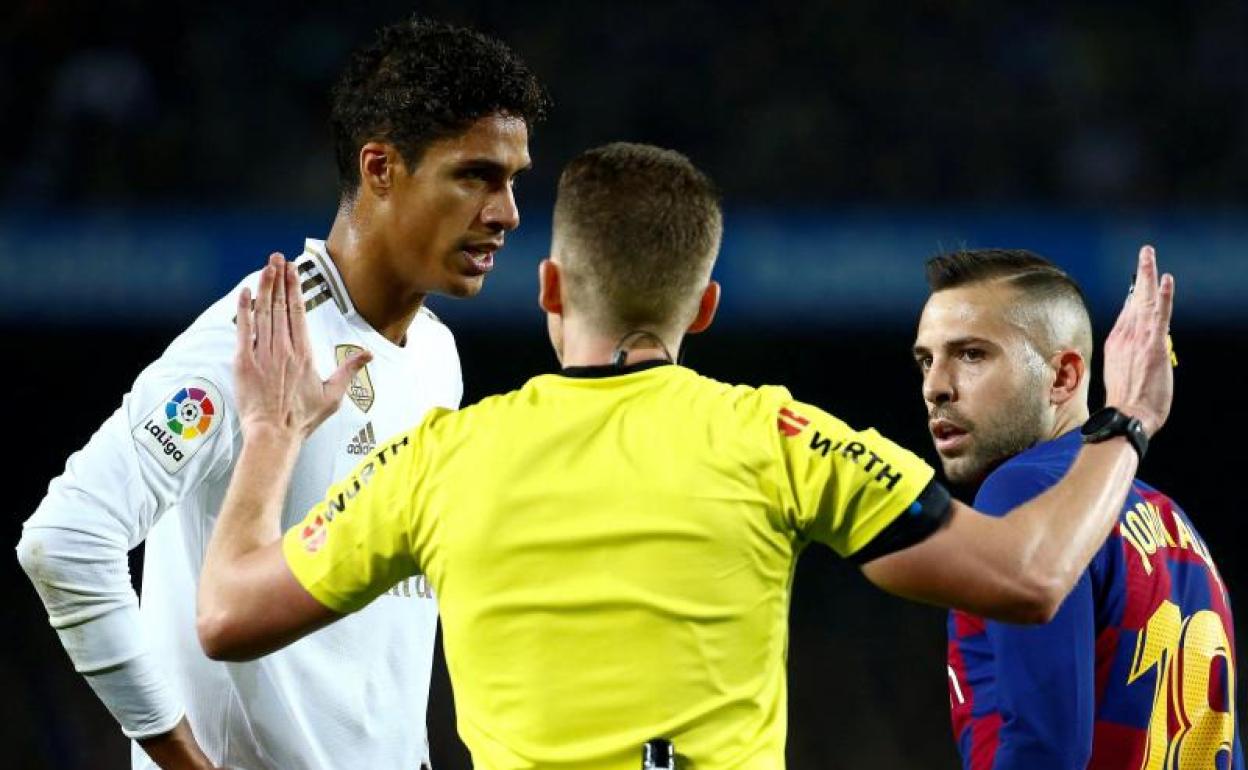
column 1099, row 421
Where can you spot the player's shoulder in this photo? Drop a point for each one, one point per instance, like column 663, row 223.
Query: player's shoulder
column 739, row 397
column 432, row 330
column 757, row 407
column 201, row 357
column 1048, row 459
column 1018, row 471
column 206, row 347
column 482, row 423
column 1024, row 476
column 221, row 315
column 218, row 322
column 775, row 409
column 1142, row 491
column 429, row 317
column 679, row 388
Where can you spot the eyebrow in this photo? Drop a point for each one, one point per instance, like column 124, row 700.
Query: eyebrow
column 957, row 342
column 491, row 165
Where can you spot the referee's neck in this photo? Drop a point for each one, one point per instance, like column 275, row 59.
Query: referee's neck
column 633, row 356
column 582, row 348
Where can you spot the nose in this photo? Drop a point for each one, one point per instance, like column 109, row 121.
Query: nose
column 938, row 384
column 501, row 212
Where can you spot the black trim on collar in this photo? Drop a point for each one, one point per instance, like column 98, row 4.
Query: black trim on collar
column 611, row 370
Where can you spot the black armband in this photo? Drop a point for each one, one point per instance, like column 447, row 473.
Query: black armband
column 925, row 515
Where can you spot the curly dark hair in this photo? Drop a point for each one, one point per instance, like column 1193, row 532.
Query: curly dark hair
column 419, row 81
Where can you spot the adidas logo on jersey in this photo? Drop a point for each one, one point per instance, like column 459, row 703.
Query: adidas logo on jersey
column 364, row 442
column 316, row 290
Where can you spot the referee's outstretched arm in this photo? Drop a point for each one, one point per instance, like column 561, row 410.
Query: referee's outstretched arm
column 1019, row 568
column 1016, row 568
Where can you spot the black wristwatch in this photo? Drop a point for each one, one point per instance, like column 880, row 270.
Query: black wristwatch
column 1109, row 422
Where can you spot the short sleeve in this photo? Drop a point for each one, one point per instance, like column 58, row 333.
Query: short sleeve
column 847, row 485
column 364, row 536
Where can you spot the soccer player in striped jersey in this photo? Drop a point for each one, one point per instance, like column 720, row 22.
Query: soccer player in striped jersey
column 613, row 546
column 1137, row 669
column 431, row 127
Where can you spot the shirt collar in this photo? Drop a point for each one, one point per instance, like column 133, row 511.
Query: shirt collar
column 611, row 370
column 320, row 279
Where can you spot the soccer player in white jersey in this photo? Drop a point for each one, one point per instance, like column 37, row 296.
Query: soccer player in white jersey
column 431, row 128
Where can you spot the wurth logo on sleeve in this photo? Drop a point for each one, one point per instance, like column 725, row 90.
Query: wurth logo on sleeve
column 790, row 423
column 314, row 534
column 315, row 531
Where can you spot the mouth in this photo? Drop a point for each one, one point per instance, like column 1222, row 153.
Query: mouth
column 479, row 257
column 950, row 438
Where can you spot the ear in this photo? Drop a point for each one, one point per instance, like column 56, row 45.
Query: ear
column 550, row 285
column 378, row 162
column 706, row 308
column 1069, row 374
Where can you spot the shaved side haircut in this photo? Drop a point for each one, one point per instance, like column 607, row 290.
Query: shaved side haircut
column 1052, row 309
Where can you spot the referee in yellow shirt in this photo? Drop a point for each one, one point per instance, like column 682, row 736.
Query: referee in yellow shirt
column 613, row 546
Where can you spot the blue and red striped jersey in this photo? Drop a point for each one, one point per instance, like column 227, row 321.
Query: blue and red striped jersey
column 1136, row 671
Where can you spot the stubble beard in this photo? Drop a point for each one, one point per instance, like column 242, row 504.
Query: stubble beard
column 1017, row 426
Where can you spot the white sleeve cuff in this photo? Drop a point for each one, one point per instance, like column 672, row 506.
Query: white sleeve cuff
column 139, row 698
column 84, row 582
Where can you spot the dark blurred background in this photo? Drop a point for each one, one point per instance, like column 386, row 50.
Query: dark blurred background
column 152, row 154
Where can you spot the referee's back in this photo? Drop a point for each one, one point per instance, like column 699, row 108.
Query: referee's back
column 612, row 551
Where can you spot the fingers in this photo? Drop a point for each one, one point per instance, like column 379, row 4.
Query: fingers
column 1165, row 303
column 264, row 313
column 298, row 314
column 1121, row 321
column 1155, row 297
column 1142, row 299
column 337, row 383
column 267, row 309
column 1145, row 290
column 244, row 325
column 1165, row 311
column 280, row 315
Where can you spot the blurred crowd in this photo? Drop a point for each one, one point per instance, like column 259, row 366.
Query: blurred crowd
column 1105, row 104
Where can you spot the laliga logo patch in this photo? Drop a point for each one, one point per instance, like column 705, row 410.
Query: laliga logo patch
column 174, row 431
column 790, row 423
column 190, row 413
column 314, row 535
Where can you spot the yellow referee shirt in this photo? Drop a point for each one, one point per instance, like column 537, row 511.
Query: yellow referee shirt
column 612, row 555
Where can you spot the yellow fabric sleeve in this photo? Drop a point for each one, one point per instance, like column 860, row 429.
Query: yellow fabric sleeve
column 355, row 544
column 847, row 485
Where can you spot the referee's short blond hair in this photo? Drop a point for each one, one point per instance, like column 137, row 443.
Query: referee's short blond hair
column 636, row 229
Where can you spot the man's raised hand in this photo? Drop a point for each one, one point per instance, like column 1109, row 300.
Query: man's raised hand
column 1139, row 378
column 276, row 382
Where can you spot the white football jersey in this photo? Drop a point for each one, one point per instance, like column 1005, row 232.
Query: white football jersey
column 352, row 695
